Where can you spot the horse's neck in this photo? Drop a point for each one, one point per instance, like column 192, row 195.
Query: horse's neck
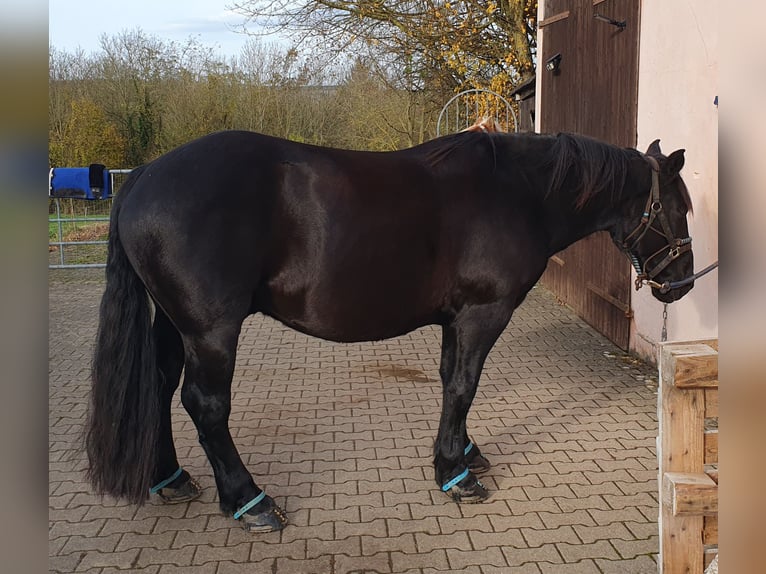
column 566, row 223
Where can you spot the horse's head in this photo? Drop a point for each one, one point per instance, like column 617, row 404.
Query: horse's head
column 655, row 234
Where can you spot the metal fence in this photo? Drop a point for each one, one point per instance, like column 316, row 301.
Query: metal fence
column 465, row 108
column 78, row 228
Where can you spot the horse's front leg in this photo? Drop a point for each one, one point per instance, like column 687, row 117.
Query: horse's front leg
column 206, row 395
column 466, row 341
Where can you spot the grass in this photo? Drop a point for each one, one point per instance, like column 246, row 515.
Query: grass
column 73, row 228
column 93, row 228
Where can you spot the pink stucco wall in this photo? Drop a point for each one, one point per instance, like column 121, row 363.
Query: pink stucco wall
column 678, row 82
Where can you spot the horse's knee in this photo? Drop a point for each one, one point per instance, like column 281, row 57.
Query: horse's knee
column 460, row 395
column 208, row 410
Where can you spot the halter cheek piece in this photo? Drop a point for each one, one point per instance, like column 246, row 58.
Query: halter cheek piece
column 675, row 247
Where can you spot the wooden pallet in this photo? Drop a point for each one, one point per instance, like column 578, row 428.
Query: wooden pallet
column 688, row 456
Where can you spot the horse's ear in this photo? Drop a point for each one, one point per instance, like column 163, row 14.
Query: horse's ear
column 654, row 148
column 675, row 162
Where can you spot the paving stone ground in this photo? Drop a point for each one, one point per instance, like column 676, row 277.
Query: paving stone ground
column 341, row 436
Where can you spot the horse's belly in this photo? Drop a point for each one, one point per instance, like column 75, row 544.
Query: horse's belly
column 354, row 310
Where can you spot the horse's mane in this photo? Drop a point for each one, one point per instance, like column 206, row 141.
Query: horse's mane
column 685, row 194
column 597, row 167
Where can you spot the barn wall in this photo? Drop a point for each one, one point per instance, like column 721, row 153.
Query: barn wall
column 677, row 86
column 594, row 93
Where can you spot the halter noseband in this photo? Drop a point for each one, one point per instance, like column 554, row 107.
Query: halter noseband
column 676, row 247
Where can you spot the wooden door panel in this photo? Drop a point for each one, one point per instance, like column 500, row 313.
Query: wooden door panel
column 594, row 93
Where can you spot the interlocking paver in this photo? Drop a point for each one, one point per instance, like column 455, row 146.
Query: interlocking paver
column 535, row 537
column 124, row 559
column 582, row 567
column 639, row 565
column 483, row 540
column 377, row 564
column 342, row 436
column 597, row 549
column 237, row 553
column 350, row 546
column 177, row 557
column 434, row 559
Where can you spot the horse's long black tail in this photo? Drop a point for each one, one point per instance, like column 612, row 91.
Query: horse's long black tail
column 124, row 418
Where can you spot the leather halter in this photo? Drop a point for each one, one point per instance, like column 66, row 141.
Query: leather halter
column 675, row 247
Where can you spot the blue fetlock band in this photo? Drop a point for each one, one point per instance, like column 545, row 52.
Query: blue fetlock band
column 455, row 480
column 238, row 514
column 468, row 449
column 157, row 487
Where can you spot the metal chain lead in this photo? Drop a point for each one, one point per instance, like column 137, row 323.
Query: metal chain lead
column 664, row 322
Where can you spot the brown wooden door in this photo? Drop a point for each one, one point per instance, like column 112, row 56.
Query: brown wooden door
column 593, row 93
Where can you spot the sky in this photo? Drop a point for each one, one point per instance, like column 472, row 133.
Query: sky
column 80, row 23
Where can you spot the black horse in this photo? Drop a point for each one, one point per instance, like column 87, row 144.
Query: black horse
column 345, row 246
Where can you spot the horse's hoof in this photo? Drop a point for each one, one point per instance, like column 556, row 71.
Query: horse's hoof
column 470, row 490
column 264, row 517
column 478, row 464
column 184, row 492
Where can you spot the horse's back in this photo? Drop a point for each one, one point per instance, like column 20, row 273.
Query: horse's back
column 341, row 244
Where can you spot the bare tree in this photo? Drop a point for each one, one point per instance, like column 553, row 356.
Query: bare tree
column 440, row 44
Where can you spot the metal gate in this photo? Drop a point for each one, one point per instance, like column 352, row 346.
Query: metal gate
column 78, row 228
column 463, row 109
column 589, row 85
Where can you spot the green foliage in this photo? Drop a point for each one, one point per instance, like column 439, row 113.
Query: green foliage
column 88, row 137
column 141, row 96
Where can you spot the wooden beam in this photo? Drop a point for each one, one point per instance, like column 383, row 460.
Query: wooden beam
column 686, row 396
column 611, row 299
column 712, row 343
column 691, row 366
column 680, row 544
column 690, row 494
column 555, row 18
column 711, row 403
column 710, row 530
column 711, row 446
column 681, row 447
column 557, row 260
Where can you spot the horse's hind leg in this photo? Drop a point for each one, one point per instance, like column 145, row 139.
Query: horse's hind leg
column 172, row 483
column 465, row 345
column 206, row 395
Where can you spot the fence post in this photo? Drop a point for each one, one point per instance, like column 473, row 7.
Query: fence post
column 688, row 456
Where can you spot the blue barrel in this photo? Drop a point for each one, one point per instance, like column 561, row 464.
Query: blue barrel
column 91, row 182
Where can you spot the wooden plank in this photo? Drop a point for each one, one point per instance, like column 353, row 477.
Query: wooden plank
column 712, row 343
column 681, row 421
column 711, row 446
column 710, row 530
column 622, row 306
column 690, row 494
column 711, row 403
column 680, row 544
column 693, row 366
column 681, row 451
column 555, row 18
